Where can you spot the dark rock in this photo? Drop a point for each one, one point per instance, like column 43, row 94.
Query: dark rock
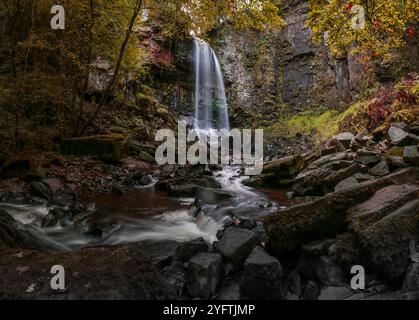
column 187, row 186
column 230, row 291
column 311, row 290
column 161, row 253
column 294, row 283
column 236, row 244
column 13, row 234
column 411, row 155
column 409, row 296
column 335, row 293
column 247, row 224
column 17, row 165
column 394, row 152
column 411, row 279
column 118, row 190
column 40, row 190
column 146, row 180
column 368, row 160
column 121, row 272
column 146, row 157
column 277, row 170
column 348, row 183
column 204, row 275
column 36, row 174
column 185, row 251
column 323, row 218
column 317, row 248
column 397, row 135
column 362, row 177
column 211, row 196
column 345, row 138
column 380, row 169
column 176, row 276
column 334, row 178
column 327, row 272
column 345, row 251
column 386, row 235
column 262, row 277
column 56, row 216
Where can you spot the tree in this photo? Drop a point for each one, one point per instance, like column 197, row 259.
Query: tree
column 384, row 24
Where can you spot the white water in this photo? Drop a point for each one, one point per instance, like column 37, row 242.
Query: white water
column 211, row 109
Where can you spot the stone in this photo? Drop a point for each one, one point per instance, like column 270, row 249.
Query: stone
column 211, row 196
column 411, row 155
column 262, row 277
column 411, row 279
column 387, row 237
column 311, row 290
column 345, row 251
column 397, row 135
column 347, row 184
column 380, row 169
column 187, row 186
column 146, row 157
column 396, row 162
column 318, row 247
column 17, row 165
column 334, row 178
column 204, row 275
column 230, row 291
column 40, row 190
column 110, row 148
column 335, row 293
column 185, row 251
column 176, row 276
column 325, row 217
column 161, row 253
column 345, row 138
column 294, row 283
column 12, row 233
column 276, row 170
column 236, row 244
column 394, row 152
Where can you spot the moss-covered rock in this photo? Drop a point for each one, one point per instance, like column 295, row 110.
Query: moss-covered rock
column 111, row 147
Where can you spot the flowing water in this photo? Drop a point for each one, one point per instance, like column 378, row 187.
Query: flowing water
column 211, row 109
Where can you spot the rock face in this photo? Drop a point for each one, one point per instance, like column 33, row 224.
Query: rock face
column 112, row 147
column 262, row 277
column 205, row 270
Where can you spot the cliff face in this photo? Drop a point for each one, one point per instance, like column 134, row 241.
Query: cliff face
column 284, row 71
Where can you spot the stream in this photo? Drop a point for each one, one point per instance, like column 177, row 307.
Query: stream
column 147, row 214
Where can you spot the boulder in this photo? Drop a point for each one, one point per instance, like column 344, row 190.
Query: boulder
column 345, row 251
column 411, row 155
column 187, row 186
column 327, row 271
column 384, row 201
column 381, row 169
column 397, row 135
column 111, row 147
column 325, row 217
column 318, row 247
column 311, row 290
column 262, row 277
column 284, row 168
column 176, row 276
column 185, row 251
column 334, row 178
column 236, row 244
column 347, row 184
column 13, row 234
column 211, row 196
column 161, row 253
column 204, row 275
column 335, row 293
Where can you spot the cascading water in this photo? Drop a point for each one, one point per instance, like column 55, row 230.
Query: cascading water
column 211, row 109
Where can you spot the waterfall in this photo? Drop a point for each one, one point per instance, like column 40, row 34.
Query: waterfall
column 211, row 110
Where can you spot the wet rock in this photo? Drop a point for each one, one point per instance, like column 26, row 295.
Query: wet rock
column 334, row 178
column 335, row 293
column 40, row 190
column 411, row 155
column 13, row 234
column 387, row 236
column 247, row 224
column 322, row 218
column 185, row 251
column 286, row 167
column 236, row 244
column 368, row 160
column 310, row 182
column 317, row 248
column 204, row 275
column 111, row 148
column 345, row 138
column 56, row 216
column 411, row 279
column 380, row 169
column 146, row 180
column 348, row 183
column 17, row 165
column 262, row 277
column 311, row 290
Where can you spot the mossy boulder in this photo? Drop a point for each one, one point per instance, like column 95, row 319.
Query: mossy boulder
column 110, row 147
